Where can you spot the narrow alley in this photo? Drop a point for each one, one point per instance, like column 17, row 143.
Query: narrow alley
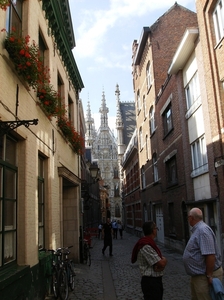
column 116, row 278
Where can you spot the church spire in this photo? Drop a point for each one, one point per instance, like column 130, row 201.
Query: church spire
column 90, row 127
column 103, row 111
column 119, row 122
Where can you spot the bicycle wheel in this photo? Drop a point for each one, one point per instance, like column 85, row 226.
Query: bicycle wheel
column 85, row 254
column 88, row 261
column 63, row 285
column 72, row 276
column 55, row 283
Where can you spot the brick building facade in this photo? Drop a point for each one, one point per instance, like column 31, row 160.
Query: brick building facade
column 158, row 122
column 178, row 83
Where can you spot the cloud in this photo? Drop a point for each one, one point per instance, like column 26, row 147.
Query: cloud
column 97, row 22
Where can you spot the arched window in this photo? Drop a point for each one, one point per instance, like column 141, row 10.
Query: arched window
column 155, row 167
column 146, row 147
column 140, row 138
column 116, row 173
column 143, row 177
column 138, row 101
column 117, row 211
column 152, row 120
column 148, row 75
column 144, row 105
column 116, row 190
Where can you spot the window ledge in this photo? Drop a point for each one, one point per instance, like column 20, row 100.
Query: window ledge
column 199, row 171
column 193, row 108
column 156, row 182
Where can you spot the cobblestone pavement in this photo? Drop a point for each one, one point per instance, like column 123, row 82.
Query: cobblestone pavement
column 122, row 280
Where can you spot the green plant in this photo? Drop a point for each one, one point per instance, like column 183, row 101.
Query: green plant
column 50, row 100
column 4, row 4
column 25, row 56
column 75, row 139
column 28, row 64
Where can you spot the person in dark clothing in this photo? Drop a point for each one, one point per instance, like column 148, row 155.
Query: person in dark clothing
column 107, row 232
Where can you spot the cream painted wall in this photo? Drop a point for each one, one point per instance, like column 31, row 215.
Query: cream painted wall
column 196, row 125
column 39, row 139
column 202, row 187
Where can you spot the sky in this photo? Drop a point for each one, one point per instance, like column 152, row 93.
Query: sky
column 104, row 33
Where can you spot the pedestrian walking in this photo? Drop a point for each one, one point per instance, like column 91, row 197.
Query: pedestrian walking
column 107, row 232
column 151, row 262
column 120, row 228
column 100, row 230
column 202, row 258
column 115, row 229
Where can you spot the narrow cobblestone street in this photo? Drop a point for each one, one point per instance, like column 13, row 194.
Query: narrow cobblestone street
column 111, row 278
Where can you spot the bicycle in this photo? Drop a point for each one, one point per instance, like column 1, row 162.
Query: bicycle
column 69, row 267
column 86, row 253
column 59, row 275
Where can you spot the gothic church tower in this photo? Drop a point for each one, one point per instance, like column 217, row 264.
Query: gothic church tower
column 104, row 152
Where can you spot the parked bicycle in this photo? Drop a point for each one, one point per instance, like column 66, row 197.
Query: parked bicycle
column 86, row 252
column 69, row 267
column 59, row 275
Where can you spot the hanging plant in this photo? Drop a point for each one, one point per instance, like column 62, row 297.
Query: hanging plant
column 72, row 136
column 25, row 56
column 4, row 4
column 28, row 64
column 48, row 100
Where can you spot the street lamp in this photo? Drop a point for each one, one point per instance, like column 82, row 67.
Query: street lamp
column 94, row 170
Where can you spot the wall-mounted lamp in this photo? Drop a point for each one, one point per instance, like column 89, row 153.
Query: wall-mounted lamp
column 94, row 170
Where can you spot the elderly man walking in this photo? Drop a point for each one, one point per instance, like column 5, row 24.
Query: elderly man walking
column 202, row 258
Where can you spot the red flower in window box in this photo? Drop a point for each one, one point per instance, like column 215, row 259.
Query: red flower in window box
column 72, row 136
column 4, row 4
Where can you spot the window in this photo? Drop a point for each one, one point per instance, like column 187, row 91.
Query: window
column 116, row 173
column 155, row 168
column 148, row 75
column 199, row 157
column 14, row 16
column 192, row 90
column 143, row 177
column 171, row 171
column 146, row 147
column 145, row 213
column 116, row 190
column 140, row 138
column 41, row 193
column 144, row 105
column 218, row 19
column 71, row 111
column 60, row 90
column 117, row 211
column 151, row 120
column 172, row 231
column 167, row 120
column 138, row 101
column 8, row 200
column 42, row 48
